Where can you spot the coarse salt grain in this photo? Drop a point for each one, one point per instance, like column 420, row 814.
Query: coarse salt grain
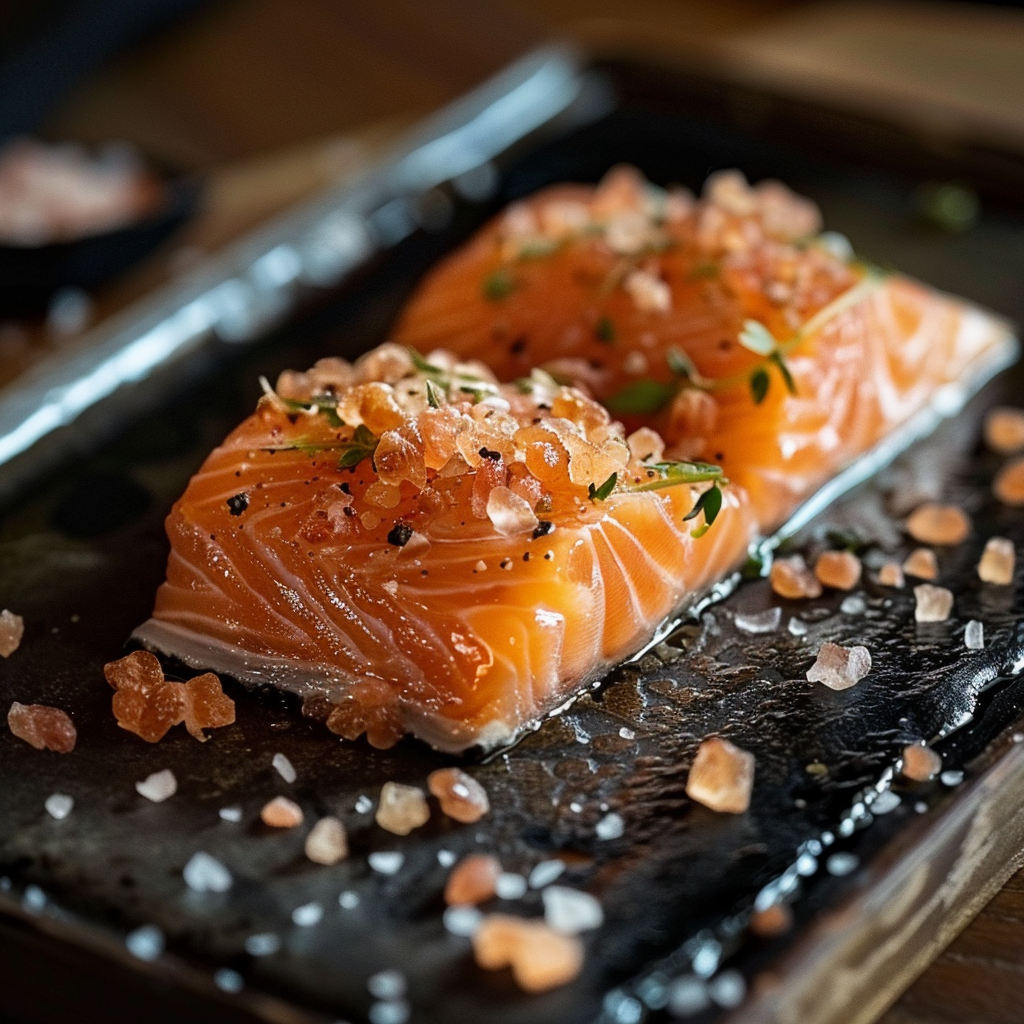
column 204, row 873
column 541, row 959
column 998, row 561
column 510, row 886
column 401, row 808
column 891, row 575
column 886, row 802
column 570, row 911
column 158, row 787
column 12, row 629
column 386, row 985
column 952, row 777
column 1008, row 485
column 853, row 605
column 307, row 915
column 348, row 900
column 446, row 858
column 611, row 826
column 327, row 842
column 473, row 880
column 281, row 813
column 920, row 762
column 460, row 795
column 933, row 603
column 649, row 293
column 394, row 1012
column 230, row 813
column 262, row 944
column 759, row 622
column 791, row 578
column 974, row 635
column 59, row 805
column 939, row 524
column 386, row 862
column 546, row 872
column 728, row 989
column 1004, row 430
column 364, row 805
column 838, row 569
column 228, row 980
column 840, row 864
column 509, row 513
column 774, row 920
column 797, row 627
column 42, row 727
column 462, row 921
column 284, row 768
column 146, row 942
column 839, row 667
column 722, row 776
column 922, row 563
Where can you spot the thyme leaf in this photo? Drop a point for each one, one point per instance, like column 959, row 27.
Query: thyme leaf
column 710, row 503
column 671, row 474
column 787, row 377
column 435, row 396
column 602, row 492
column 641, row 398
column 680, row 363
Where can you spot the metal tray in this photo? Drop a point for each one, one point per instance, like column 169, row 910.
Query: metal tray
column 82, row 551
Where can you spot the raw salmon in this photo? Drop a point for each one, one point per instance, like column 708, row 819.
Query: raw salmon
column 413, row 547
column 729, row 324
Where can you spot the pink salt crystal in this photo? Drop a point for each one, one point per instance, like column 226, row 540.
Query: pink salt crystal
column 42, row 727
column 891, row 575
column 1004, row 430
column 541, row 959
column 771, row 921
column 649, row 293
column 12, row 629
column 401, row 808
column 472, row 880
column 281, row 813
column 327, row 842
column 839, row 569
column 933, row 603
column 509, row 513
column 939, row 524
column 997, row 561
column 1008, row 485
column 722, row 776
column 791, row 578
column 206, row 705
column 460, row 795
column 839, row 668
column 922, row 563
column 920, row 763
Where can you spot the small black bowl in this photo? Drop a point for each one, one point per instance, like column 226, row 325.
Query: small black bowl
column 29, row 275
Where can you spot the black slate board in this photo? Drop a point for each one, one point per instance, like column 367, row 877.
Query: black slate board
column 82, row 554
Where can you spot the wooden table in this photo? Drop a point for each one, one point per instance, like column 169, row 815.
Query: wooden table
column 251, row 76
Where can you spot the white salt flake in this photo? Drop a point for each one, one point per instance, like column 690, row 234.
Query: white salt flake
column 59, row 805
column 840, row 667
column 951, row 777
column 386, row 985
column 546, row 872
column 759, row 622
column 204, row 873
column 145, row 942
column 396, row 1012
column 386, row 862
column 688, row 996
column 463, row 921
column 840, row 864
column 230, row 813
column 228, row 980
column 284, row 768
column 33, row 898
column 571, row 911
column 797, row 626
column 509, row 886
column 262, row 944
column 974, row 635
column 327, row 842
column 885, row 802
column 446, row 858
column 348, row 900
column 307, row 915
column 853, row 605
column 611, row 826
column 933, row 603
column 728, row 989
column 626, row 733
column 158, row 787
column 364, row 805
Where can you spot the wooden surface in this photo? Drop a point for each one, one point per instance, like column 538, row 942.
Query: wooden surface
column 252, row 76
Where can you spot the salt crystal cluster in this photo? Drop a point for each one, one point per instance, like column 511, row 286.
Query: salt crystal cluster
column 791, row 578
column 722, row 776
column 933, row 604
column 839, row 667
column 401, row 808
column 281, row 813
column 922, row 563
column 541, row 959
column 1004, row 430
column 920, row 763
column 473, row 880
column 42, row 727
column 939, row 524
column 12, row 629
column 838, row 569
column 327, row 842
column 158, row 787
column 998, row 561
column 461, row 796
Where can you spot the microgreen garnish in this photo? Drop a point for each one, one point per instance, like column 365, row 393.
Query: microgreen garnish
column 710, row 503
column 671, row 474
column 362, row 446
column 602, row 492
column 787, row 377
column 604, row 330
column 757, row 338
column 680, row 363
column 701, row 271
column 759, row 382
column 325, row 405
column 435, row 396
column 498, row 285
column 641, row 398
column 423, row 365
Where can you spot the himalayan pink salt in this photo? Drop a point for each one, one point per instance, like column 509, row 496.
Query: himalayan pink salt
column 541, row 959
column 998, row 561
column 722, row 776
column 933, row 603
column 791, row 578
column 839, row 569
column 920, row 763
column 771, row 921
column 922, row 563
column 939, row 524
column 838, row 667
column 1004, row 430
column 281, row 813
column 206, row 706
column 327, row 842
column 510, row 514
column 12, row 629
column 460, row 795
column 472, row 881
column 1008, row 485
column 891, row 575
column 42, row 727
column 401, row 808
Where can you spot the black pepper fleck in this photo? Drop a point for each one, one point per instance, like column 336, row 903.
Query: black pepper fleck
column 400, row 534
column 486, row 453
column 238, row 503
column 543, row 528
